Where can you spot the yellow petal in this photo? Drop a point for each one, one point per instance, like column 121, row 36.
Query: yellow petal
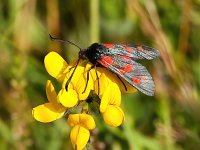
column 103, row 82
column 87, row 121
column 55, row 65
column 68, row 98
column 50, row 92
column 79, row 137
column 111, row 96
column 84, row 120
column 78, row 72
column 115, row 94
column 93, row 72
column 111, row 76
column 73, row 119
column 81, row 85
column 113, row 116
column 47, row 112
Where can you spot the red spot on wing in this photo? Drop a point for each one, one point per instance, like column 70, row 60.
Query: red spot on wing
column 139, row 48
column 109, row 45
column 126, row 57
column 106, row 60
column 103, row 63
column 136, row 81
column 121, row 71
column 128, row 48
column 128, row 68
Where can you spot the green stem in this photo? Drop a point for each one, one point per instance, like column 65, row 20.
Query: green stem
column 165, row 114
column 94, row 21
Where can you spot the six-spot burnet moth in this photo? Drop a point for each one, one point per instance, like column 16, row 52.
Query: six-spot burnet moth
column 121, row 60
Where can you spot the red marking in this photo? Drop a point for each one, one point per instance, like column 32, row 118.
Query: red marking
column 126, row 57
column 128, row 48
column 136, row 81
column 139, row 48
column 105, row 60
column 109, row 45
column 121, row 71
column 103, row 63
column 128, row 68
column 108, row 59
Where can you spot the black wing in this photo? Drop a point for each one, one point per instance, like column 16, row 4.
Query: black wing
column 133, row 51
column 131, row 71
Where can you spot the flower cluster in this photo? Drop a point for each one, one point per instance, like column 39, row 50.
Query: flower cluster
column 79, row 85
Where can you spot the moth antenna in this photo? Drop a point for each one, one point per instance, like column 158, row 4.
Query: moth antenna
column 63, row 41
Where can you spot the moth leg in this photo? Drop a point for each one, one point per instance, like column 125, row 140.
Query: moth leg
column 88, row 77
column 70, row 78
column 122, row 82
column 87, row 80
column 74, row 66
column 97, row 80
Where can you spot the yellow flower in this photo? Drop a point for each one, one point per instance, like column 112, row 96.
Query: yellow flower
column 124, row 86
column 113, row 116
column 68, row 98
column 103, row 82
column 78, row 82
column 111, row 96
column 59, row 69
column 110, row 105
column 109, row 88
column 80, row 134
column 50, row 111
column 55, row 65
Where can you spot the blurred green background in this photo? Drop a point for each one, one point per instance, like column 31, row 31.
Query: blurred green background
column 168, row 121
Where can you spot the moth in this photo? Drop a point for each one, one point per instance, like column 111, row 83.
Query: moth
column 122, row 59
